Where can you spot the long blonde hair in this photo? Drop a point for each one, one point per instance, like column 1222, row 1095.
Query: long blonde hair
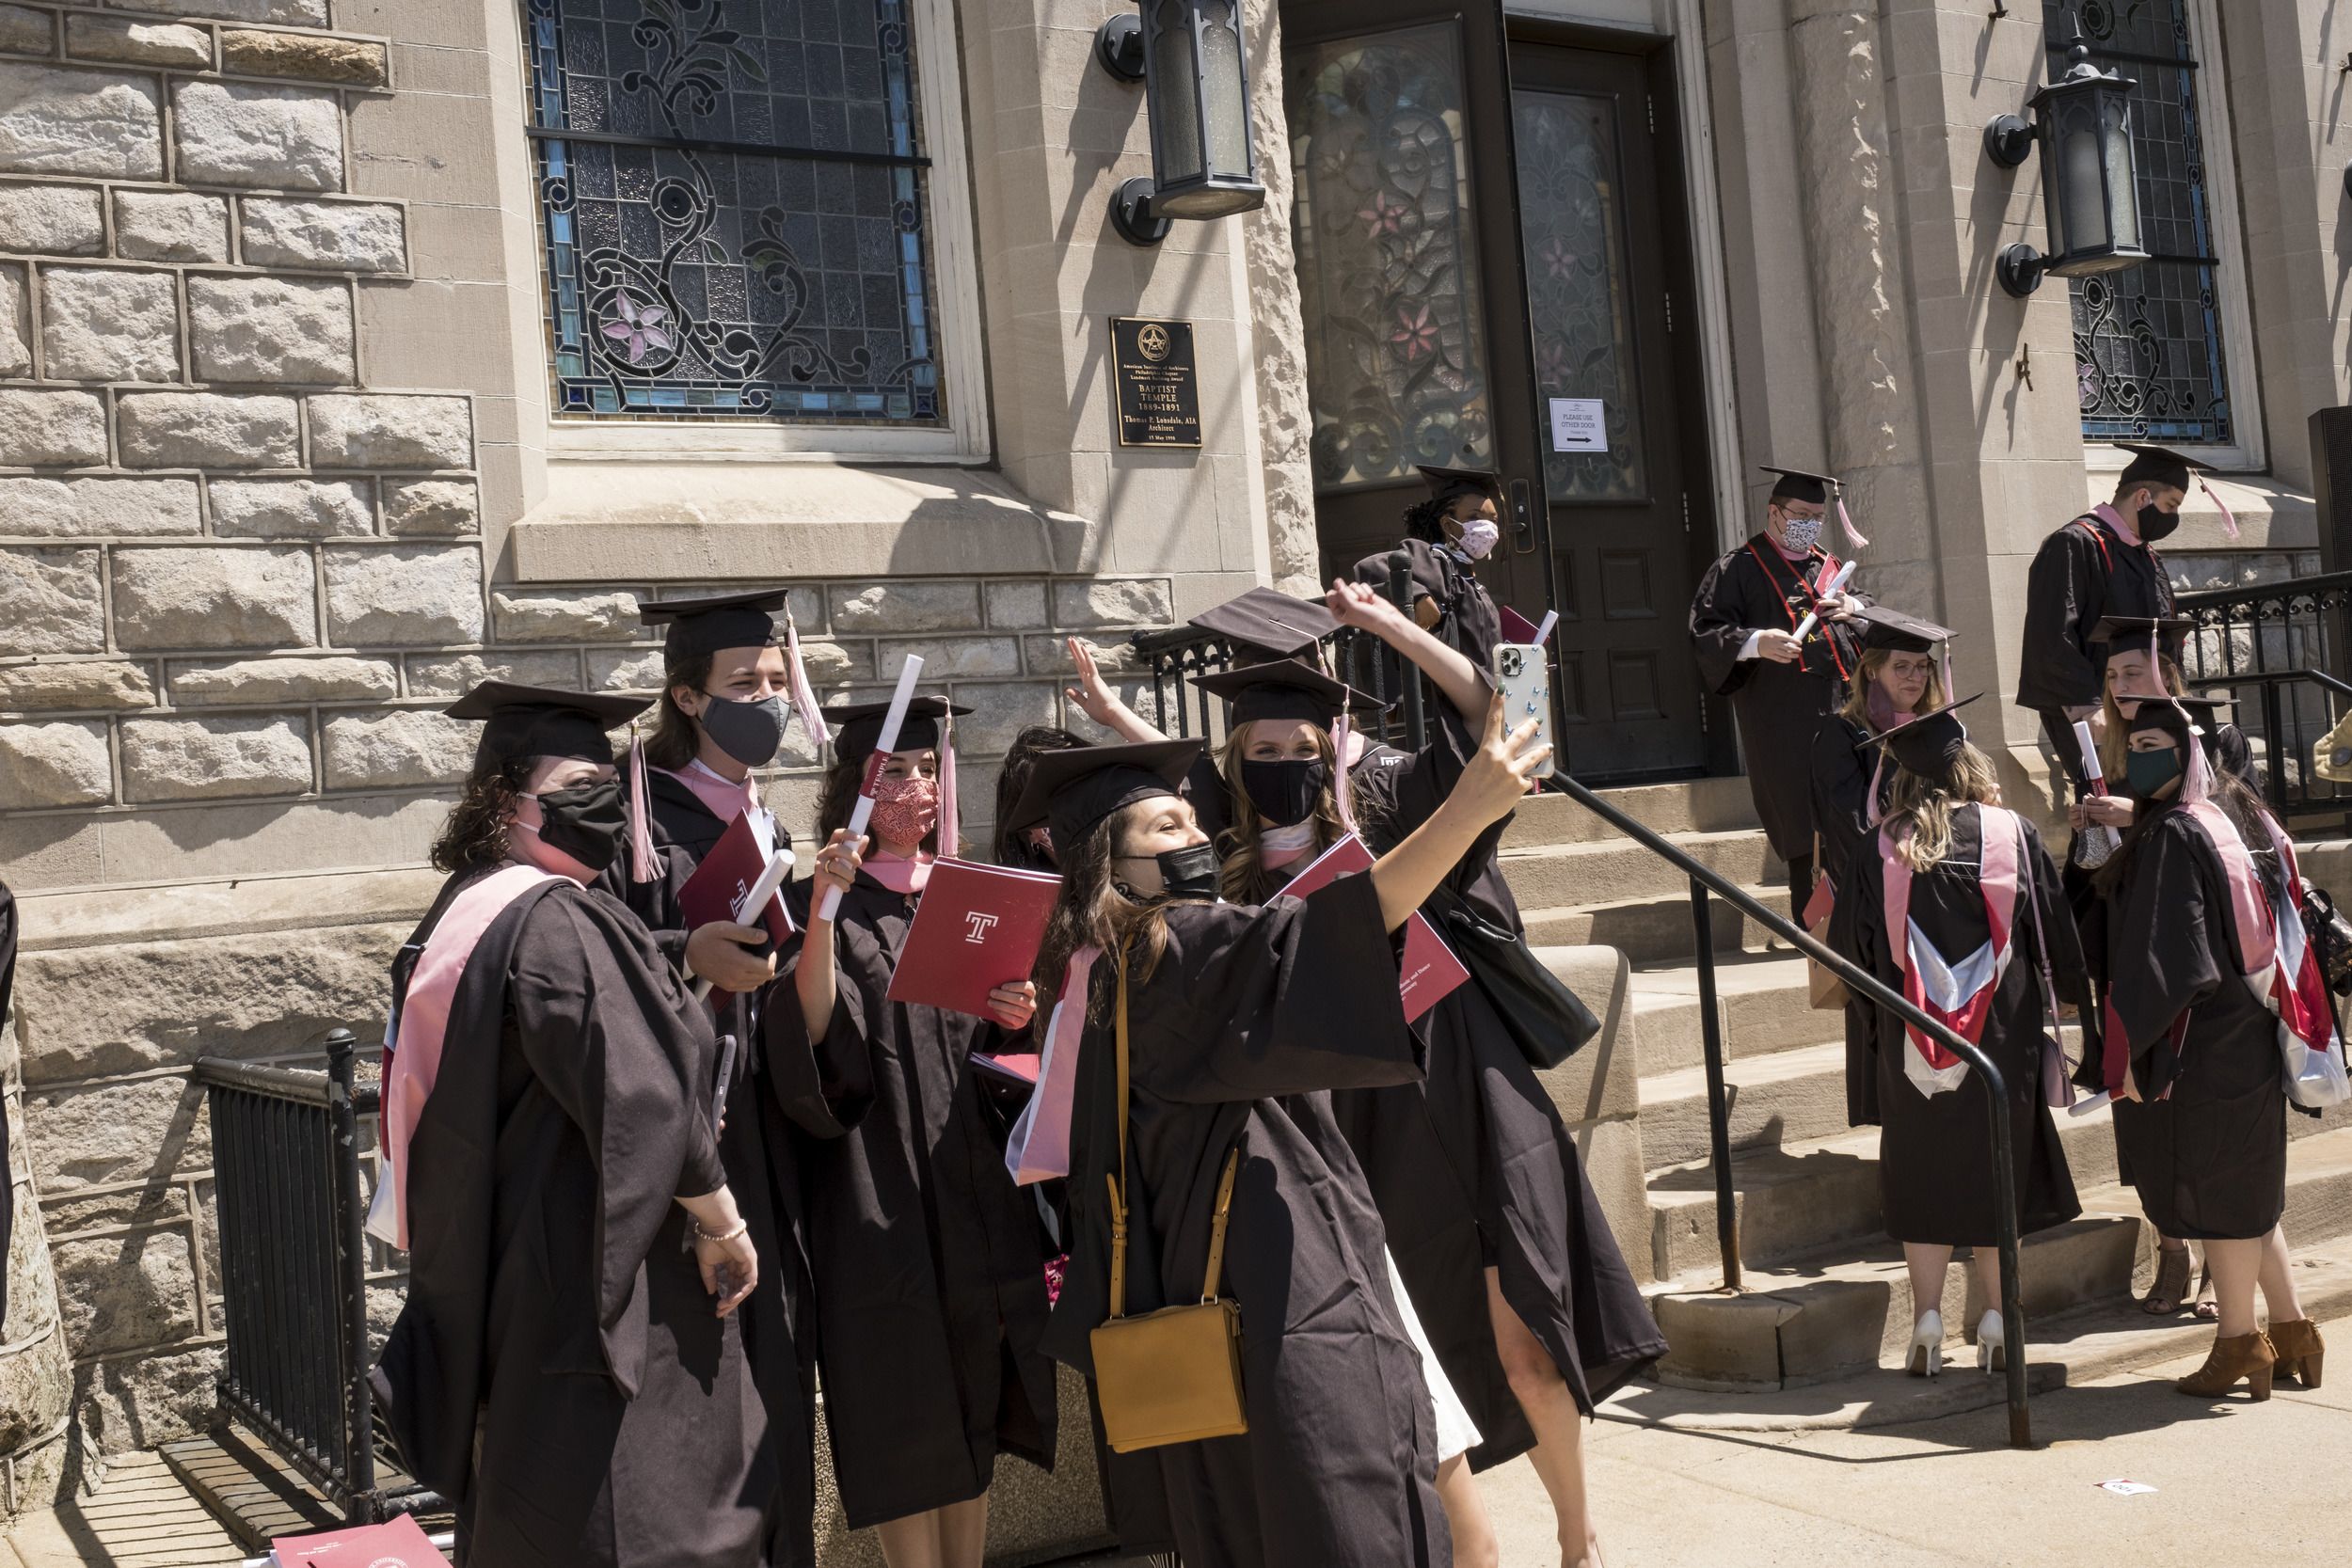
column 1242, row 875
column 1866, row 675
column 2115, row 738
column 1091, row 907
column 1920, row 820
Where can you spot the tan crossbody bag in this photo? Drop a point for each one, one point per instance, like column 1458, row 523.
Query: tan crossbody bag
column 1174, row 1375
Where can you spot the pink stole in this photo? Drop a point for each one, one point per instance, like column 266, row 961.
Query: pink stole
column 2280, row 969
column 1959, row 996
column 414, row 1042
column 900, row 876
column 723, row 797
column 1038, row 1146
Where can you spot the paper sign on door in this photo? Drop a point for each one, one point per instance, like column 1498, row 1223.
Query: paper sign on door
column 1580, row 425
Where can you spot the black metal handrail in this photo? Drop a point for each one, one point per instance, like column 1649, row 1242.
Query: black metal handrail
column 1705, row 882
column 293, row 1265
column 2279, row 637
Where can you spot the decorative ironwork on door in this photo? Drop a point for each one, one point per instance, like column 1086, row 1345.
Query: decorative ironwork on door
column 2148, row 341
column 734, row 212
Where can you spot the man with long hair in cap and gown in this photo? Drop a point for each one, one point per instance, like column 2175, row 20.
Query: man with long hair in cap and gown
column 1446, row 534
column 1744, row 619
column 561, row 1370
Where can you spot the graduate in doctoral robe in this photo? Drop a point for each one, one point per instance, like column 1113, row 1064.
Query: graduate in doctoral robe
column 1898, row 677
column 1744, row 619
column 928, row 1262
column 721, row 713
column 1240, row 1016
column 2211, row 997
column 567, row 1368
column 2102, row 563
column 1954, row 904
column 1447, row 534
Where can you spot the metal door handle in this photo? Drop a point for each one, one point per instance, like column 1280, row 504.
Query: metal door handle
column 1522, row 519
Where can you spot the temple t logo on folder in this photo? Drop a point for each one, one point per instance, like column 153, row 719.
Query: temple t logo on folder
column 978, row 927
column 978, row 923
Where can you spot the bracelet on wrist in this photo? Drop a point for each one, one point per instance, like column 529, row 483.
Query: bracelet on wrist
column 701, row 1235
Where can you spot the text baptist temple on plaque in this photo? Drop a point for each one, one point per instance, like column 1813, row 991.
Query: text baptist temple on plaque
column 1159, row 388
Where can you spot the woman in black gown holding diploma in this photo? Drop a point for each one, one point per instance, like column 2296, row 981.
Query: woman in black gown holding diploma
column 929, row 1274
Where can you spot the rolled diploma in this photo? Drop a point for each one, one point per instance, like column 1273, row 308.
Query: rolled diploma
column 1543, row 631
column 1837, row 585
column 861, row 812
column 2089, row 1104
column 2094, row 771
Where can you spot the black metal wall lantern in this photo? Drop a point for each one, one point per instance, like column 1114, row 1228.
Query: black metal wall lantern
column 2090, row 199
column 1188, row 55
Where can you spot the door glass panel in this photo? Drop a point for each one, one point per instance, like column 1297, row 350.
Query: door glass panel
column 1571, row 217
column 1388, row 276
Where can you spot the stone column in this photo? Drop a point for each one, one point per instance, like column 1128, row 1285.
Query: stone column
column 1285, row 420
column 36, row 1369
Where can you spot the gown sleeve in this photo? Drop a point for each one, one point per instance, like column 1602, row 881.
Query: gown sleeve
column 1294, row 996
column 1719, row 626
column 1857, row 932
column 2062, row 952
column 826, row 1086
column 2062, row 595
column 2166, row 942
column 1841, row 790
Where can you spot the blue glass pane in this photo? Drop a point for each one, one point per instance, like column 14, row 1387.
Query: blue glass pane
column 695, row 283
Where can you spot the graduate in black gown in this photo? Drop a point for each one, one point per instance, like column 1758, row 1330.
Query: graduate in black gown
column 1897, row 677
column 1743, row 618
column 2199, row 888
column 1968, row 891
column 721, row 714
column 566, row 1370
column 928, row 1262
column 1241, row 1017
column 1446, row 535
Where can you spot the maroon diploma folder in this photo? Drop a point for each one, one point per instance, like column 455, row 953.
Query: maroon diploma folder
column 1429, row 969
column 978, row 927
column 726, row 875
column 398, row 1544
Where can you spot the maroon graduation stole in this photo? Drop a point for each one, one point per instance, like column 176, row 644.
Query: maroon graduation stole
column 1812, row 592
column 1958, row 995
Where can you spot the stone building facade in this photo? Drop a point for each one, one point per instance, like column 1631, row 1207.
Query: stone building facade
column 292, row 451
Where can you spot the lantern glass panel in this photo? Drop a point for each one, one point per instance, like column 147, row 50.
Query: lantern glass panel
column 1224, row 98
column 2080, row 170
column 2116, row 117
column 1175, row 88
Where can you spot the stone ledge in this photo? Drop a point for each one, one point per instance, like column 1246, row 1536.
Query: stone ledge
column 87, row 918
column 693, row 522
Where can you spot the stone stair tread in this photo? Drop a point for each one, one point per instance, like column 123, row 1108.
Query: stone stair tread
column 1735, row 974
column 1743, row 1073
column 1690, row 842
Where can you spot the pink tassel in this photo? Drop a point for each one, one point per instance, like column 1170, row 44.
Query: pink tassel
column 1340, row 735
column 2229, row 519
column 1845, row 521
column 803, row 695
column 950, row 824
column 1870, row 807
column 639, row 828
column 2197, row 782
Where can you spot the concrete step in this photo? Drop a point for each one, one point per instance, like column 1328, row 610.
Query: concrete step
column 1614, row 870
column 1781, row 1097
column 1650, row 931
column 1761, row 999
column 1688, row 806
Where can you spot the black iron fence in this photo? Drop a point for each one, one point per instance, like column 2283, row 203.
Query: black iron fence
column 293, row 1268
column 2280, row 650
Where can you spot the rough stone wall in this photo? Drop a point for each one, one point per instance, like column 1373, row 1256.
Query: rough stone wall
column 36, row 1373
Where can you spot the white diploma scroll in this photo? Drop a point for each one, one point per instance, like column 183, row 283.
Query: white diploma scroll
column 1837, row 585
column 864, row 811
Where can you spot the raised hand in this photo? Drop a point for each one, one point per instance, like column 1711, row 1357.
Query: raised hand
column 1505, row 767
column 837, row 863
column 1093, row 695
column 1359, row 603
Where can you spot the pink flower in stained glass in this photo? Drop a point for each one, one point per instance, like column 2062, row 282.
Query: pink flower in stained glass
column 1558, row 258
column 1385, row 215
column 1416, row 333
column 639, row 329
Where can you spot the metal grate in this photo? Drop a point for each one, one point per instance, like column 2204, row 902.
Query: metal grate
column 2278, row 650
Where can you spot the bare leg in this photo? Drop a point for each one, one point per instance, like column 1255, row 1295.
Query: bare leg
column 911, row 1542
column 2236, row 1266
column 1927, row 1264
column 1475, row 1543
column 963, row 1532
column 1559, row 1426
column 1986, row 1263
column 2277, row 1279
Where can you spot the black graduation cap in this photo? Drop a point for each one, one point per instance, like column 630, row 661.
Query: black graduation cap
column 1795, row 484
column 1900, row 633
column 2176, row 715
column 718, row 621
column 2160, row 464
column 1446, row 484
column 1284, row 688
column 857, row 726
column 2128, row 634
column 1074, row 790
column 541, row 721
column 1274, row 623
column 1928, row 743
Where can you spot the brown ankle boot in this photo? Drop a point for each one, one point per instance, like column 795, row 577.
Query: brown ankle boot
column 2246, row 1355
column 2298, row 1349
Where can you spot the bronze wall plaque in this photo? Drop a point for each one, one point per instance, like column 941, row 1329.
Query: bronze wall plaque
column 1159, row 388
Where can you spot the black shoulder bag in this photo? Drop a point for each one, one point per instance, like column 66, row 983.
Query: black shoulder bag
column 1547, row 1021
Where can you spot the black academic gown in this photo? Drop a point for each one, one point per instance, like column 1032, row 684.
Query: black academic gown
column 929, row 1265
column 558, row 1372
column 2082, row 573
column 1778, row 707
column 1471, row 1167
column 757, row 1146
column 1842, row 768
column 1935, row 1152
column 1467, row 621
column 2209, row 1158
column 1250, row 1013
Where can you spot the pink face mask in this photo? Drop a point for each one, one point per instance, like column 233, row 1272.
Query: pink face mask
column 906, row 809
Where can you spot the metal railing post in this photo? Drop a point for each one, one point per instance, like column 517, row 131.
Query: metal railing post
column 352, row 1277
column 1407, row 677
column 1718, row 1106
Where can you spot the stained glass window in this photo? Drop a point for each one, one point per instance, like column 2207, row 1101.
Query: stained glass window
column 1388, row 276
column 734, row 205
column 2148, row 346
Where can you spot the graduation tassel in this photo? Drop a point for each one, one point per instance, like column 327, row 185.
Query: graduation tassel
column 1342, row 731
column 803, row 695
column 640, row 828
column 2229, row 519
column 1845, row 521
column 950, row 825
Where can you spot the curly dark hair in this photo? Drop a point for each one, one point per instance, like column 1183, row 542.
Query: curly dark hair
column 475, row 834
column 1425, row 519
column 836, row 797
column 1012, row 848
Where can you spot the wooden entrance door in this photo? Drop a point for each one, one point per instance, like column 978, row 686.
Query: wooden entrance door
column 1486, row 225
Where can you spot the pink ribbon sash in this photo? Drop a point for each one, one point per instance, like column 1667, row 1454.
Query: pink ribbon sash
column 1961, row 996
column 1038, row 1146
column 723, row 797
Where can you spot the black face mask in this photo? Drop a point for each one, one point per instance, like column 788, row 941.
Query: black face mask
column 1286, row 793
column 1191, row 872
column 748, row 731
column 587, row 822
column 2154, row 523
column 2146, row 772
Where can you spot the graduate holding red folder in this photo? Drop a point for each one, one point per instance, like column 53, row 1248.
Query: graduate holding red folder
column 975, row 934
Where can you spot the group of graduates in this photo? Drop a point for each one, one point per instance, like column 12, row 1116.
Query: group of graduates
column 662, row 1188
column 2173, row 936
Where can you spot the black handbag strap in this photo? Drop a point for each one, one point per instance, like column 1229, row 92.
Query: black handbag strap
column 1119, row 1182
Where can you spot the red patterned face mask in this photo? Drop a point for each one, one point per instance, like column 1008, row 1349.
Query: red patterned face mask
column 906, row 809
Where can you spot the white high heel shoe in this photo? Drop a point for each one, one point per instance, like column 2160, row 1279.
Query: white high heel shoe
column 1927, row 1345
column 1991, row 1342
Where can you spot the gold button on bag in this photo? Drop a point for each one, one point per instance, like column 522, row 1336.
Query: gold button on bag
column 1174, row 1375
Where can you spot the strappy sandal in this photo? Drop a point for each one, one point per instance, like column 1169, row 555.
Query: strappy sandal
column 2207, row 1309
column 2171, row 1291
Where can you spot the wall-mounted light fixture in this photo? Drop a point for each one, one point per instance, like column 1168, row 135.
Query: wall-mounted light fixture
column 2083, row 126
column 1187, row 54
